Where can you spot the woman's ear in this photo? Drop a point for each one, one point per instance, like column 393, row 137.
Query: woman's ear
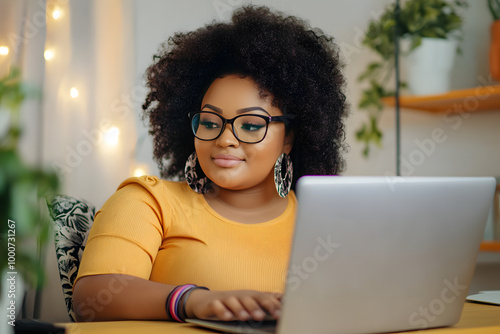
column 288, row 142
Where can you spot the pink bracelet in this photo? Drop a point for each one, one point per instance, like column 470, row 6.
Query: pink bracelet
column 173, row 299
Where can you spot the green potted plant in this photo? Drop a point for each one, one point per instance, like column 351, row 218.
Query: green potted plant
column 418, row 20
column 23, row 227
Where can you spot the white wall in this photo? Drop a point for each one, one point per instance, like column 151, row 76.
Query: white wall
column 472, row 140
column 93, row 48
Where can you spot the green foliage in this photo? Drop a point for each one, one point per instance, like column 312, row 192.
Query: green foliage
column 494, row 6
column 21, row 188
column 417, row 19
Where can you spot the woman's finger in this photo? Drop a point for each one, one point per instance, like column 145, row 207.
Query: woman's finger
column 220, row 310
column 233, row 304
column 271, row 305
column 253, row 308
column 278, row 296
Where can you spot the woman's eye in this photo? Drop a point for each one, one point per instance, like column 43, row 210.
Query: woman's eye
column 251, row 126
column 209, row 125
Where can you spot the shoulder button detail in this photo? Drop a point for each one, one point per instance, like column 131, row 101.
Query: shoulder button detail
column 151, row 180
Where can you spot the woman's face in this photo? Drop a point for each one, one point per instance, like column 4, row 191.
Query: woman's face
column 228, row 162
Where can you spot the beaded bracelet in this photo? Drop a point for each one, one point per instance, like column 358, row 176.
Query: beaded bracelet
column 175, row 300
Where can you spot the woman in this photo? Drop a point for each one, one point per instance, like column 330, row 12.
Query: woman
column 241, row 110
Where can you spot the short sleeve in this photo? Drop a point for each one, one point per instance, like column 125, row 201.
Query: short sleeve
column 127, row 231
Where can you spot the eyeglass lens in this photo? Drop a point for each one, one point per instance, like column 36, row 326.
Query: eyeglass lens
column 247, row 128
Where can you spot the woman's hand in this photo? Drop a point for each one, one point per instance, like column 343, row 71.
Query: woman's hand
column 233, row 305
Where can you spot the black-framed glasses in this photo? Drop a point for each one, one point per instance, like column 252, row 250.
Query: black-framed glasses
column 247, row 128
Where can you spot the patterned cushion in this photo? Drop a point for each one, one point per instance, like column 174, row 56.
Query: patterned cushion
column 72, row 221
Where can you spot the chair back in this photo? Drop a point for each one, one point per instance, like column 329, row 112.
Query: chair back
column 72, row 221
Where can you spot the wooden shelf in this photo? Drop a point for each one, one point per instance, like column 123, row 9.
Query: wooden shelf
column 464, row 100
column 490, row 246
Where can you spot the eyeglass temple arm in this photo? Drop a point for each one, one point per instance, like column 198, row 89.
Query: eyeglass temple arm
column 284, row 118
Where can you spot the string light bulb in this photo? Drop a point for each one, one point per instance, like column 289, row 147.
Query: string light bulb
column 111, row 136
column 48, row 54
column 56, row 14
column 4, row 50
column 73, row 92
column 140, row 171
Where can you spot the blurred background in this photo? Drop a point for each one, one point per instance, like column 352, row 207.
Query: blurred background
column 88, row 57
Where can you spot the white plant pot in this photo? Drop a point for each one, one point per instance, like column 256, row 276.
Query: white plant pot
column 429, row 66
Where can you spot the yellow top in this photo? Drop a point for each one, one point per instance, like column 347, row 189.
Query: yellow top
column 165, row 232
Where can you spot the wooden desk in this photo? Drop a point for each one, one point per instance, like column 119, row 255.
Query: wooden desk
column 476, row 318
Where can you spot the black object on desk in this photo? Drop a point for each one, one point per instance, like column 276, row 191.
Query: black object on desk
column 30, row 326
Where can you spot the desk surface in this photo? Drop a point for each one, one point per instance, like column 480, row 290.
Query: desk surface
column 476, row 318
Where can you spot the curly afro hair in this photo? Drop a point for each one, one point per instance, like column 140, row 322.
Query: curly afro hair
column 297, row 65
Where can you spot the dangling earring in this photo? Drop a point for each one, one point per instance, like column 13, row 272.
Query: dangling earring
column 194, row 176
column 283, row 174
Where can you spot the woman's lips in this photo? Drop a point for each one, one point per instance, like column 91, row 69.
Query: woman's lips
column 226, row 160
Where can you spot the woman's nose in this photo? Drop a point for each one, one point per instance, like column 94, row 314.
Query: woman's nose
column 227, row 138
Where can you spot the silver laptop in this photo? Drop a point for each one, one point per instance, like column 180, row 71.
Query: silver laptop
column 379, row 254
